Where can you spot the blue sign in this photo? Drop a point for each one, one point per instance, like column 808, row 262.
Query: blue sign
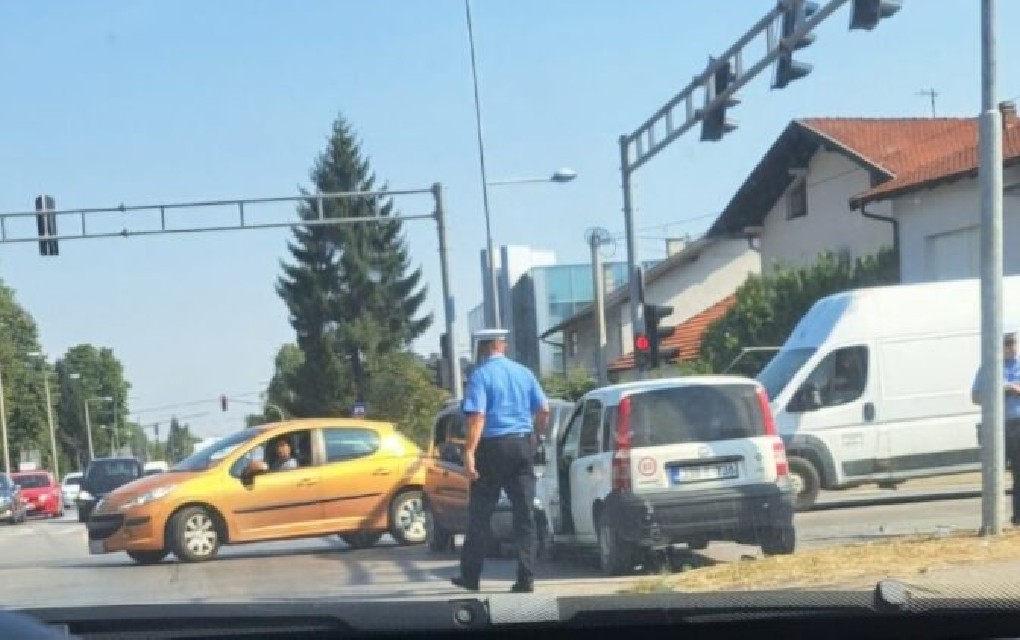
column 359, row 410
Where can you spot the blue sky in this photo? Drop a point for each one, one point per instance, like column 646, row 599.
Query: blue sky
column 127, row 102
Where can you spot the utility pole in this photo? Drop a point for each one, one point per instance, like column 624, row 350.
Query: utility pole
column 931, row 94
column 992, row 453
column 597, row 237
column 53, row 427
column 88, row 431
column 448, row 307
column 3, row 428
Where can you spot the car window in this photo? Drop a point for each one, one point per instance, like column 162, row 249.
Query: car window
column 300, row 451
column 33, row 481
column 608, row 428
column 5, row 482
column 696, row 413
column 840, row 378
column 591, row 422
column 69, row 482
column 572, row 436
column 350, row 443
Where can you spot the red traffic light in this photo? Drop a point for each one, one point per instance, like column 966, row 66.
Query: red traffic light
column 641, row 342
column 223, row 403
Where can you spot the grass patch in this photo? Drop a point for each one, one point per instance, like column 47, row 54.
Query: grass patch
column 849, row 566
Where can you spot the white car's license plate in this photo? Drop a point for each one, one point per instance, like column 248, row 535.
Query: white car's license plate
column 96, row 546
column 724, row 471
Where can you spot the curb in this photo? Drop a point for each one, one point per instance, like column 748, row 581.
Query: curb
column 960, row 494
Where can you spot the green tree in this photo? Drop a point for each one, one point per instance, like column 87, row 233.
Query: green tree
column 90, row 374
column 24, row 398
column 571, row 387
column 352, row 293
column 180, row 442
column 401, row 390
column 768, row 307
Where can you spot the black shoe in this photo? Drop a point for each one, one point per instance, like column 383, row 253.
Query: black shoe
column 523, row 587
column 463, row 583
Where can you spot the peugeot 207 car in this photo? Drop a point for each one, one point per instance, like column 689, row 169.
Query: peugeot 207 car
column 360, row 479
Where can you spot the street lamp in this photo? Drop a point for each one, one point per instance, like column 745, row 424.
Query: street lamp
column 560, row 176
column 88, row 420
column 41, row 359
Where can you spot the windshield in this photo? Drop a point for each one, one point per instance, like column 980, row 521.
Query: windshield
column 695, row 414
column 72, row 482
column 782, row 368
column 33, row 481
column 104, row 476
column 205, row 458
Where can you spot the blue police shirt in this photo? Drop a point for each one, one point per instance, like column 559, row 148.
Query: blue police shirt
column 507, row 393
column 1010, row 373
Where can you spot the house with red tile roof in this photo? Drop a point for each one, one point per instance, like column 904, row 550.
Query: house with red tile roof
column 856, row 185
column 698, row 280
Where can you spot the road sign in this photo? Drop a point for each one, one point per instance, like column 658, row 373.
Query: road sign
column 359, row 410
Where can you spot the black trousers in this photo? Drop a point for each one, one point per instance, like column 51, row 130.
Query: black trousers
column 1013, row 455
column 503, row 463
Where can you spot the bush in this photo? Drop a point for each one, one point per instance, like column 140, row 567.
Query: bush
column 768, row 308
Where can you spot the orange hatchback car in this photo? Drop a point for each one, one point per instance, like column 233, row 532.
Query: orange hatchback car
column 302, row 478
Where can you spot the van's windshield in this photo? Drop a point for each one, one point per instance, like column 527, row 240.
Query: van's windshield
column 781, row 369
column 103, row 476
column 698, row 413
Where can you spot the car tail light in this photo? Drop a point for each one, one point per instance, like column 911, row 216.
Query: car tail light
column 766, row 412
column 779, row 452
column 621, row 454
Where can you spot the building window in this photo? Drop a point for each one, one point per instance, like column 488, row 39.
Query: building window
column 574, row 346
column 796, row 200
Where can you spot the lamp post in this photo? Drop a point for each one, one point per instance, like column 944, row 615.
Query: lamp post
column 41, row 358
column 88, row 420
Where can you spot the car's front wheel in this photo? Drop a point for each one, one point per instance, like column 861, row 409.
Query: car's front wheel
column 407, row 517
column 147, row 557
column 194, row 536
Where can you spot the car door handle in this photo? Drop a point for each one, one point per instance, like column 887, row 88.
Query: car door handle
column 869, row 411
column 591, row 468
column 383, row 472
column 307, row 482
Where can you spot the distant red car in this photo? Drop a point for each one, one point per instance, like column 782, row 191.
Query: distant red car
column 40, row 492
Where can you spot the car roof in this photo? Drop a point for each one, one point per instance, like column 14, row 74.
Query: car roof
column 613, row 393
column 314, row 423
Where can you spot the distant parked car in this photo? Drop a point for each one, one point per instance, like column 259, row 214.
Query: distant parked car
column 70, row 486
column 40, row 493
column 12, row 509
column 156, row 466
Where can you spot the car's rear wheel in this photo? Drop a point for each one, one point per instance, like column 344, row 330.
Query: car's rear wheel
column 616, row 556
column 194, row 536
column 407, row 518
column 779, row 541
column 806, row 482
column 361, row 539
column 147, row 557
column 437, row 537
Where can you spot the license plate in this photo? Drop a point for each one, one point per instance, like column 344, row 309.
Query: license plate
column 96, row 546
column 724, row 471
column 31, row 507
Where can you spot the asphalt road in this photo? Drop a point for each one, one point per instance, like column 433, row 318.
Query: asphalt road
column 46, row 563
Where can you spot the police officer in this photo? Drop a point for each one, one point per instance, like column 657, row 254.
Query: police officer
column 1011, row 413
column 503, row 403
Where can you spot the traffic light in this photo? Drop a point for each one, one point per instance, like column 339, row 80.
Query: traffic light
column 867, row 13
column 46, row 221
column 223, row 403
column 714, row 123
column 654, row 315
column 795, row 14
column 642, row 351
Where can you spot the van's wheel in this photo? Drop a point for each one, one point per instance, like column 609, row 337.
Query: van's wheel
column 147, row 557
column 361, row 539
column 616, row 556
column 437, row 537
column 806, row 482
column 407, row 517
column 194, row 536
column 779, row 541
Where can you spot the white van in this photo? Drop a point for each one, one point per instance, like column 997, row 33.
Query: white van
column 873, row 385
column 642, row 466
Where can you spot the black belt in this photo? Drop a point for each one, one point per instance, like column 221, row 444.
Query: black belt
column 509, row 436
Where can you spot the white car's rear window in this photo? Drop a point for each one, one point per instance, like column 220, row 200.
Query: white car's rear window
column 695, row 414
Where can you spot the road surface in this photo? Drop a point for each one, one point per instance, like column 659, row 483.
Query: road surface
column 46, row 563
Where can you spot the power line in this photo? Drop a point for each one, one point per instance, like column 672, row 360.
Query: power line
column 193, row 403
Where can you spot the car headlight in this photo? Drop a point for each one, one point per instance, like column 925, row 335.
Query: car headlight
column 147, row 497
column 85, row 495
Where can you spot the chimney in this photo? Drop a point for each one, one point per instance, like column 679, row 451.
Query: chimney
column 1008, row 110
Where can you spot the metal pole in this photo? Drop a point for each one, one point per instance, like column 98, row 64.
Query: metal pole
column 600, row 307
column 992, row 410
column 448, row 306
column 636, row 321
column 493, row 282
column 88, row 431
column 116, row 436
column 3, row 427
column 53, row 428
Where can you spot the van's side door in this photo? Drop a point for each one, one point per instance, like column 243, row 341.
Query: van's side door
column 835, row 404
column 587, row 471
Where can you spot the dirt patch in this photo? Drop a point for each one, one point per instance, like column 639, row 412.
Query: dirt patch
column 850, row 566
